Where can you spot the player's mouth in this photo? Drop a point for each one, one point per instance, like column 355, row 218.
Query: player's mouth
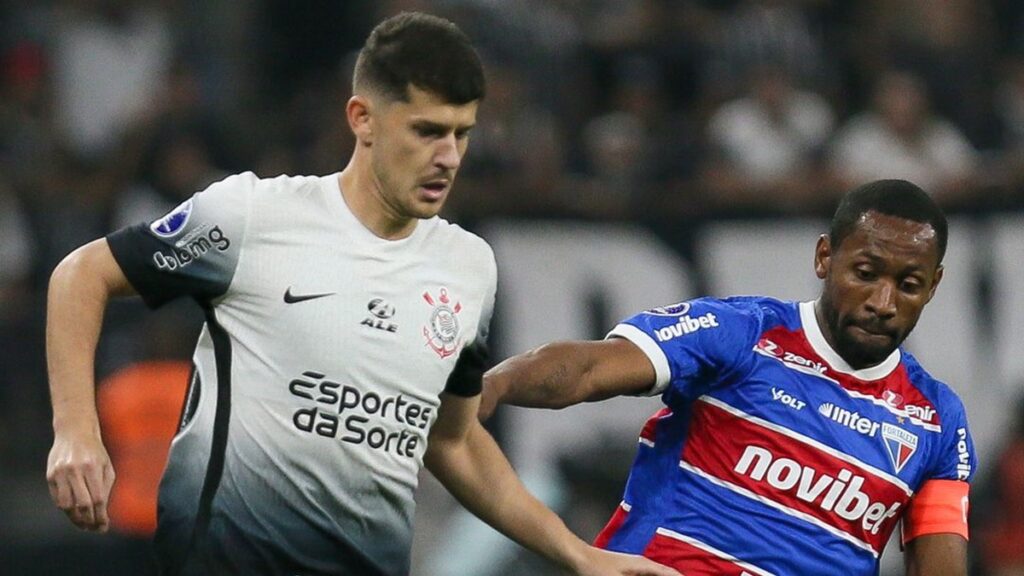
column 434, row 190
column 876, row 333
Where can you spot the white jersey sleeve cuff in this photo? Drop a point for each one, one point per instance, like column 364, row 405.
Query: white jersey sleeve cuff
column 657, row 357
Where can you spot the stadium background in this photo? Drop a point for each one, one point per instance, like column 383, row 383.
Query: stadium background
column 630, row 153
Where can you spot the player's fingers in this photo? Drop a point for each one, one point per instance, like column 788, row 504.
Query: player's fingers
column 82, row 507
column 96, row 480
column 60, row 492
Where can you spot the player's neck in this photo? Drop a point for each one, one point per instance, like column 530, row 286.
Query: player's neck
column 362, row 194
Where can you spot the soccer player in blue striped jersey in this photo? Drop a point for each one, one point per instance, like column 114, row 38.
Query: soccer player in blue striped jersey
column 796, row 436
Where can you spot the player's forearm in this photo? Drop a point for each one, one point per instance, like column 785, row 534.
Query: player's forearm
column 77, row 298
column 552, row 376
column 479, row 476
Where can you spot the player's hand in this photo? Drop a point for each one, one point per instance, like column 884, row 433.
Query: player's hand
column 600, row 562
column 80, row 476
column 490, row 397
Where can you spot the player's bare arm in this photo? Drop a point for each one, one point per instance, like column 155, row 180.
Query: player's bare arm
column 561, row 374
column 936, row 555
column 78, row 469
column 465, row 458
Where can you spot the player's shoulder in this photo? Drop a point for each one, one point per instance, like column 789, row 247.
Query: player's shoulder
column 939, row 393
column 285, row 184
column 461, row 243
column 763, row 311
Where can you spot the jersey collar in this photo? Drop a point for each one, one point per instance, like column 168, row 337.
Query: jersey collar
column 821, row 346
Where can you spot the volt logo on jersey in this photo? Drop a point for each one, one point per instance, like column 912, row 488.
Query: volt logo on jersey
column 174, row 221
column 900, row 444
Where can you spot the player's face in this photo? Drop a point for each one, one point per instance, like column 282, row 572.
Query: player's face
column 877, row 282
column 417, row 150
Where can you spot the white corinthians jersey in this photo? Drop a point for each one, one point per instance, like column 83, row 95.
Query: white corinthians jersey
column 317, row 375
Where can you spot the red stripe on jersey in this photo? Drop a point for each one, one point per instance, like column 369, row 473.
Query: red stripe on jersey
column 612, row 526
column 692, row 558
column 895, row 392
column 651, row 426
column 794, row 474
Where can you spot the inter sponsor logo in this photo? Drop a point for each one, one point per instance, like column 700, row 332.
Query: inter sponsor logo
column 686, row 325
column 841, row 494
column 184, row 255
column 852, row 420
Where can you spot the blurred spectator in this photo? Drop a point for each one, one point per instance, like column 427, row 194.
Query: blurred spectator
column 948, row 44
column 766, row 146
column 757, row 32
column 109, row 57
column 900, row 137
column 1001, row 518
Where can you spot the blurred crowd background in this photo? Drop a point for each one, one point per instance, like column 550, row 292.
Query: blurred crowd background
column 670, row 114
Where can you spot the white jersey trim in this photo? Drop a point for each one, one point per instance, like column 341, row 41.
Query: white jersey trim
column 895, row 481
column 712, row 550
column 780, row 507
column 817, row 340
column 663, row 374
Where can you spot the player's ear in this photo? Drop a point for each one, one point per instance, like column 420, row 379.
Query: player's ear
column 360, row 119
column 822, row 256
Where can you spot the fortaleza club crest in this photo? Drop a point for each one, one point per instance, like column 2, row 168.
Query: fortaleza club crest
column 442, row 330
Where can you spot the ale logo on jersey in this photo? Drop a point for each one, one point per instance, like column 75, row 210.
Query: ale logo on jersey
column 442, row 329
column 900, row 444
column 174, row 221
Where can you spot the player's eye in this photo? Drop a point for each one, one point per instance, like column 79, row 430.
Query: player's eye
column 865, row 274
column 911, row 286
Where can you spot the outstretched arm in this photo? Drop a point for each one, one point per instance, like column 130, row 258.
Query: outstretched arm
column 936, row 555
column 561, row 374
column 78, row 469
column 465, row 458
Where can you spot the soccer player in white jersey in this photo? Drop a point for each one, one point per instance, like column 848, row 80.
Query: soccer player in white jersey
column 344, row 346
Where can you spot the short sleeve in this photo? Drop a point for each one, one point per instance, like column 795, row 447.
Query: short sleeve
column 466, row 379
column 191, row 251
column 694, row 345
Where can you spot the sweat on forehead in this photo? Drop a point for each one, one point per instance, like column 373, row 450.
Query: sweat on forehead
column 898, row 199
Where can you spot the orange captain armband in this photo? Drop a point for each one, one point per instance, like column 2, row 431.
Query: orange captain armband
column 939, row 507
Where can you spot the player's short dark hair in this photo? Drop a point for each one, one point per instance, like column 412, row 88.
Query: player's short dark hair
column 428, row 52
column 893, row 198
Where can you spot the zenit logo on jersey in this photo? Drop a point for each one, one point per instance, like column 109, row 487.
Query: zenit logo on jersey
column 174, row 221
column 899, row 443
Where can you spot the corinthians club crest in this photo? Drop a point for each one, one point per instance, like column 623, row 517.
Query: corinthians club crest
column 442, row 330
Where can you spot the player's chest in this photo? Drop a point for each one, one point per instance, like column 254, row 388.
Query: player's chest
column 799, row 400
column 356, row 310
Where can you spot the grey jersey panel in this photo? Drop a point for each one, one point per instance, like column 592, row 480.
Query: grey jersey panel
column 340, row 345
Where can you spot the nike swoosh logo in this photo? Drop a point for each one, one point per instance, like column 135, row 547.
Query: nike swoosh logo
column 290, row 298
